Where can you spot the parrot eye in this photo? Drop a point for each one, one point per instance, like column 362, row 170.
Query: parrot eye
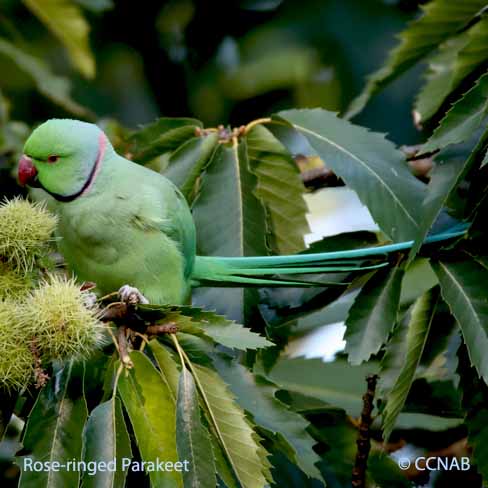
column 53, row 158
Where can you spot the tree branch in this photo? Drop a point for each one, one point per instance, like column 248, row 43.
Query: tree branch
column 364, row 437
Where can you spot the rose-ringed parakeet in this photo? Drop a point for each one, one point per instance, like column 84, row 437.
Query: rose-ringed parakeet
column 123, row 224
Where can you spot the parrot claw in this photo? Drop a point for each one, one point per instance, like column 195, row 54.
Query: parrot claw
column 132, row 295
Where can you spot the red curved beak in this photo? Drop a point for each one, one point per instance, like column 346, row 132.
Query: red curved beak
column 27, row 171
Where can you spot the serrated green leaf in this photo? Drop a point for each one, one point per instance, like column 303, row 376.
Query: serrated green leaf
column 194, row 320
column 192, row 438
column 281, row 189
column 230, row 221
column 394, row 358
column 106, row 439
column 418, row 329
column 427, row 413
column 164, row 135
column 54, row 430
column 150, row 406
column 224, row 469
column 226, row 332
column 463, row 119
column 66, row 21
column 373, row 315
column 440, row 20
column 235, row 335
column 475, row 401
column 188, row 162
column 462, row 288
column 432, row 423
column 472, row 54
column 96, row 378
column 339, row 384
column 438, row 78
column 227, row 206
column 109, row 377
column 222, row 463
column 257, row 396
column 167, row 365
column 171, row 376
column 228, row 423
column 443, row 181
column 55, row 88
column 197, row 348
column 369, row 164
column 418, row 278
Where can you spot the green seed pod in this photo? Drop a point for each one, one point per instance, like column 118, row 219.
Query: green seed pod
column 13, row 284
column 63, row 327
column 25, row 229
column 16, row 360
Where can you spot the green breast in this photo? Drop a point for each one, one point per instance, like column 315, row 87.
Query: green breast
column 100, row 243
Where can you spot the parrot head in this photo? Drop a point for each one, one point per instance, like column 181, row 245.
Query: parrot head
column 63, row 157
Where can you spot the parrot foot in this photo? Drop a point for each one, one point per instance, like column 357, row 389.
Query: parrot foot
column 132, row 296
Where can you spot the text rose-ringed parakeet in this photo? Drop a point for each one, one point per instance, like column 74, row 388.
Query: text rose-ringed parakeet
column 123, row 224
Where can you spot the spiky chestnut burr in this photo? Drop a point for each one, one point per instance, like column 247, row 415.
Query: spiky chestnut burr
column 25, row 229
column 13, row 284
column 56, row 314
column 16, row 360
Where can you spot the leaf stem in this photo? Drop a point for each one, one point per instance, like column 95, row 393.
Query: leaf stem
column 253, row 123
column 179, row 350
column 109, row 295
column 114, row 339
column 117, row 376
column 144, row 340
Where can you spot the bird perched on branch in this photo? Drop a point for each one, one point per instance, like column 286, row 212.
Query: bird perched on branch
column 123, row 226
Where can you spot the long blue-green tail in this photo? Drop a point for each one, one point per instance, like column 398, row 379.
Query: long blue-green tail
column 256, row 270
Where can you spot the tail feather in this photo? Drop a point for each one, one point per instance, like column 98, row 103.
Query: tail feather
column 240, row 281
column 252, row 270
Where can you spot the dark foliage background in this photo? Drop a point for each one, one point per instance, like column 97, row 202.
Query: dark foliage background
column 222, row 62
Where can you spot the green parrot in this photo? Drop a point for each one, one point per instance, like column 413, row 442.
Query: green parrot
column 128, row 228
